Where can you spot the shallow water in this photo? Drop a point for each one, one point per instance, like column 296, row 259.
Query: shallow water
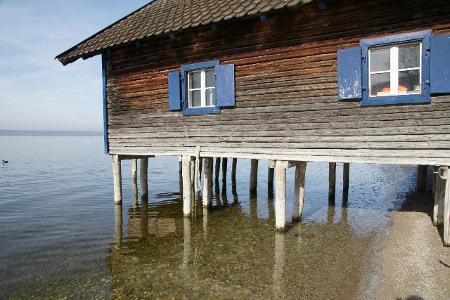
column 62, row 236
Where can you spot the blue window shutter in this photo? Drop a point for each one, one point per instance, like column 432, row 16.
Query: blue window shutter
column 174, row 90
column 440, row 64
column 225, row 86
column 349, row 74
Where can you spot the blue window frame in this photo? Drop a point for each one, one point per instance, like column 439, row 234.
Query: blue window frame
column 197, row 68
column 396, row 69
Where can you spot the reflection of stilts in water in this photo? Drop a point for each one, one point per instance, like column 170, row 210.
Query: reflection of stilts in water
column 234, row 191
column 217, row 192
column 144, row 218
column 205, row 222
column 253, row 206
column 330, row 213
column 270, row 205
column 118, row 225
column 187, row 242
column 278, row 266
column 224, row 185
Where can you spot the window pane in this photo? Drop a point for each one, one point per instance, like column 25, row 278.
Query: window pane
column 210, row 78
column 409, row 56
column 196, row 98
column 409, row 82
column 380, row 60
column 380, row 84
column 210, row 97
column 195, row 80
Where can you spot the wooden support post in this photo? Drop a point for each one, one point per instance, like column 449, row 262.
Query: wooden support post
column 253, row 176
column 134, row 181
column 144, row 178
column 300, row 169
column 270, row 178
column 233, row 169
column 187, row 185
column 208, row 182
column 421, row 180
column 345, row 182
column 439, row 196
column 224, row 170
column 217, row 170
column 180, row 174
column 444, row 174
column 280, row 195
column 117, row 174
column 331, row 182
column 197, row 177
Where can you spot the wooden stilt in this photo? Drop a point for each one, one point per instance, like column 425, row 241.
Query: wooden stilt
column 270, row 178
column 345, row 181
column 117, row 174
column 187, row 185
column 445, row 176
column 192, row 166
column 224, row 170
column 331, row 182
column 280, row 195
column 253, row 176
column 180, row 174
column 300, row 169
column 439, row 196
column 233, row 169
column 134, row 181
column 144, row 178
column 197, row 177
column 217, row 170
column 208, row 182
column 421, row 182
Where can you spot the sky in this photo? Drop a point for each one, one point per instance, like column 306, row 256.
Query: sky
column 36, row 91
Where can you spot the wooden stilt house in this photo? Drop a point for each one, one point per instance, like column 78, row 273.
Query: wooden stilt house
column 286, row 80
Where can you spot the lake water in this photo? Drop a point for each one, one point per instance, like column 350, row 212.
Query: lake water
column 61, row 236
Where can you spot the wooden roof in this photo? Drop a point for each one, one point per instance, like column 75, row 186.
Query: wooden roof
column 167, row 16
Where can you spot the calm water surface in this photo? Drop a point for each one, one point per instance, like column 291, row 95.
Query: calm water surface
column 62, row 236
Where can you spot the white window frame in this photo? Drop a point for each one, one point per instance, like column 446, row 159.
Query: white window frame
column 202, row 88
column 394, row 70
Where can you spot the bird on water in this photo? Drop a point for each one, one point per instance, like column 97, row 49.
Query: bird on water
column 4, row 161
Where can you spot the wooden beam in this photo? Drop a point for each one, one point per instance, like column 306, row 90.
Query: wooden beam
column 280, row 195
column 208, row 182
column 144, row 177
column 331, row 182
column 299, row 189
column 421, row 180
column 134, row 182
column 187, row 185
column 253, row 176
column 345, row 181
column 117, row 174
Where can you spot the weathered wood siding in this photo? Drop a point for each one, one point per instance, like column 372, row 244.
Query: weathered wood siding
column 286, row 90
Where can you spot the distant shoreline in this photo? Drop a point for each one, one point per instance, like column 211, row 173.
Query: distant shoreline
column 48, row 133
